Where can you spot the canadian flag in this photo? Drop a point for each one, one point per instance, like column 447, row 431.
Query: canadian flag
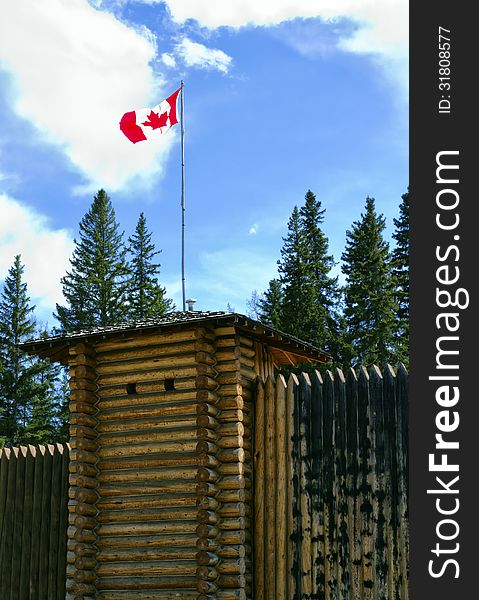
column 150, row 123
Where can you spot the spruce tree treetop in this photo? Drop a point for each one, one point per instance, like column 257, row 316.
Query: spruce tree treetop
column 146, row 296
column 95, row 287
column 369, row 290
column 400, row 264
column 17, row 384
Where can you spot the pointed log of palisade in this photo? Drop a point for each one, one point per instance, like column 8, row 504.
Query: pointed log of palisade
column 292, row 496
column 83, row 478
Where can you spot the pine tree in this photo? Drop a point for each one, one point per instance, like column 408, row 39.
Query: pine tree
column 309, row 294
column 322, row 289
column 95, row 288
column 369, row 291
column 17, row 378
column 400, row 270
column 270, row 305
column 146, row 296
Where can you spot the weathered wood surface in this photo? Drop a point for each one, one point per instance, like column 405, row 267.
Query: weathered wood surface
column 338, row 489
column 33, row 522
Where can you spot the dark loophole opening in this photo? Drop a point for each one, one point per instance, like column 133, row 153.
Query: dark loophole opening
column 169, row 384
column 131, row 388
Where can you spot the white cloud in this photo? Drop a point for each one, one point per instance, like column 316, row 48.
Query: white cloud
column 168, row 60
column 44, row 251
column 196, row 55
column 383, row 25
column 253, row 230
column 76, row 71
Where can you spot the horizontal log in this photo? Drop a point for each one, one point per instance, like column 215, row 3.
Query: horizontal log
column 147, row 448
column 133, row 437
column 207, row 460
column 239, row 468
column 205, row 474
column 231, row 403
column 81, row 395
column 205, row 382
column 206, row 572
column 144, row 363
column 82, row 456
column 80, row 383
column 205, row 558
column 233, row 538
column 136, row 475
column 82, row 407
column 82, row 419
column 231, row 455
column 204, row 433
column 145, row 502
column 162, row 541
column 150, row 350
column 206, row 589
column 234, row 415
column 132, row 585
column 83, row 468
column 145, row 554
column 247, row 351
column 207, row 516
column 82, row 359
column 206, row 447
column 186, row 594
column 83, row 431
column 128, row 528
column 231, row 429
column 154, row 393
column 207, row 421
column 207, row 503
column 231, row 581
column 230, row 441
column 229, row 366
column 203, row 530
column 234, row 523
column 206, row 370
column 204, row 395
column 85, row 549
column 206, row 358
column 239, row 551
column 149, row 515
column 234, row 495
column 83, row 444
column 205, row 488
column 232, row 509
column 203, row 408
column 84, row 589
column 231, row 595
column 232, row 566
column 207, row 544
column 146, row 375
column 85, row 563
column 87, row 495
column 82, row 481
column 148, row 461
column 179, row 411
column 229, row 378
column 85, row 535
column 148, row 568
column 153, row 422
column 83, row 372
column 134, row 340
column 164, row 488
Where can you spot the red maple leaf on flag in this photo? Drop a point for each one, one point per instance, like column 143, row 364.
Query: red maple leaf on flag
column 156, row 121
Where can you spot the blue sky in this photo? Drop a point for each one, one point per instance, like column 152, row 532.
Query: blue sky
column 280, row 98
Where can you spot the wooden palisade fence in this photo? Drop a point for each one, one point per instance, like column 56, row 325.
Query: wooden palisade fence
column 331, row 518
column 33, row 522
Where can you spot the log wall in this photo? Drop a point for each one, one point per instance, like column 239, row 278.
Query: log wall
column 330, row 502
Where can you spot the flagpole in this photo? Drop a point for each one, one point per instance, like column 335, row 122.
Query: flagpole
column 183, row 199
